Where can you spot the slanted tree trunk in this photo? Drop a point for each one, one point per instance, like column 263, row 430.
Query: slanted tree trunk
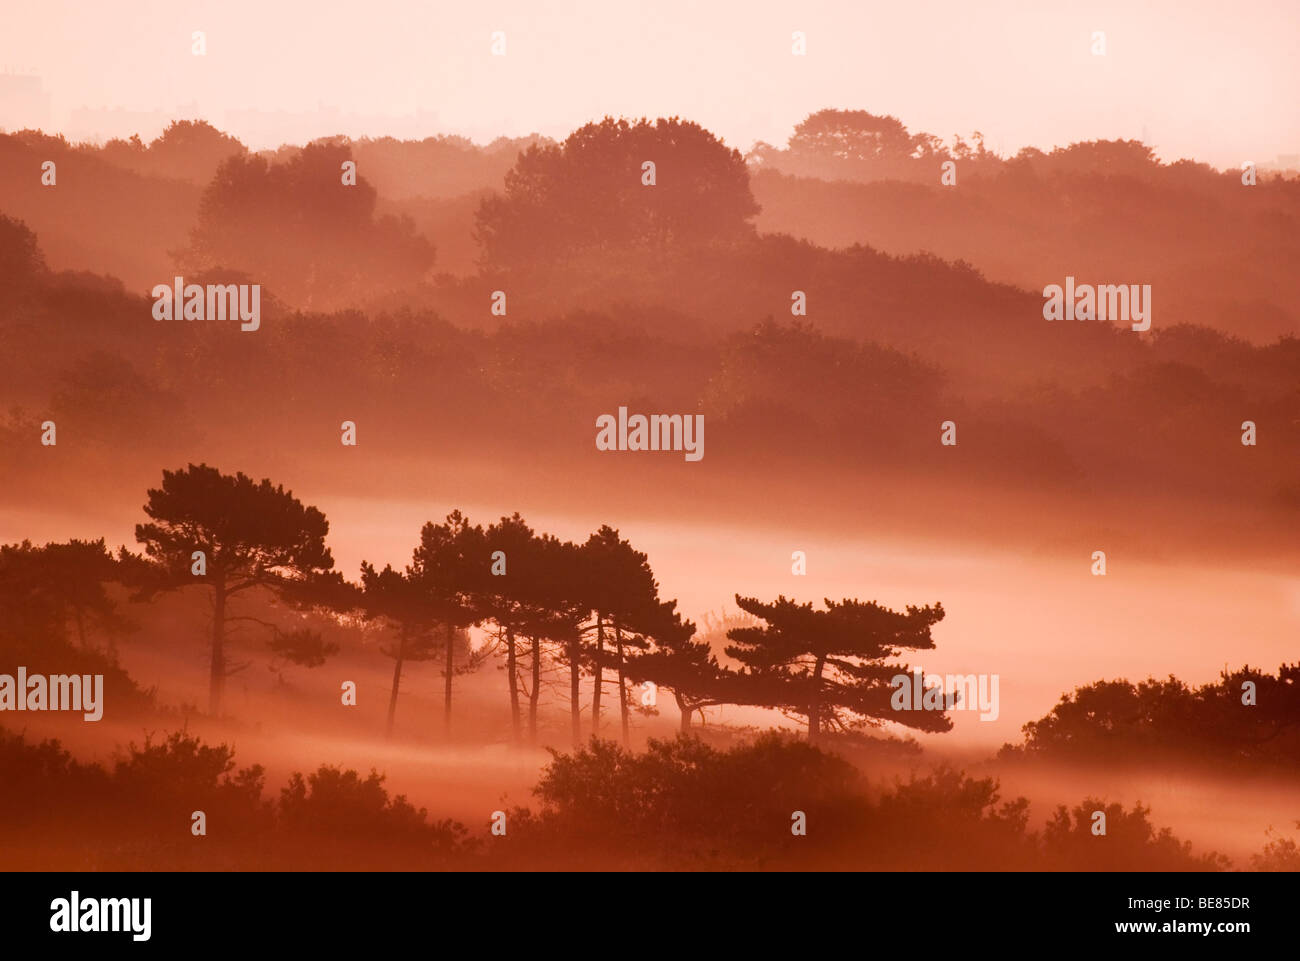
column 595, row 697
column 622, row 689
column 512, row 676
column 397, row 682
column 536, row 692
column 217, row 679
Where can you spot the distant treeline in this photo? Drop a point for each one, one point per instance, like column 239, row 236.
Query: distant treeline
column 678, row 290
column 1082, row 408
column 1216, row 248
column 1247, row 720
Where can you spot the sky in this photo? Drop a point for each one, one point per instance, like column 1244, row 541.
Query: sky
column 1213, row 81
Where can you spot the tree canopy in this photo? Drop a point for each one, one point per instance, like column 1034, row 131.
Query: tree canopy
column 830, row 665
column 296, row 227
column 250, row 534
column 587, row 193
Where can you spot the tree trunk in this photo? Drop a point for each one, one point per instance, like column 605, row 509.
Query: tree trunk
column 622, row 690
column 536, row 692
column 217, row 679
column 512, row 676
column 575, row 692
column 686, row 713
column 81, row 627
column 393, row 697
column 450, row 667
column 595, row 697
column 814, row 705
column 397, row 681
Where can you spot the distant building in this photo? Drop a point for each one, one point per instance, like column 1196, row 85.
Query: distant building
column 24, row 102
column 98, row 124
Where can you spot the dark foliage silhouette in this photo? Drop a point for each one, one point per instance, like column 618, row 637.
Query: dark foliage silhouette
column 296, row 229
column 684, row 805
column 588, row 193
column 830, row 666
column 1155, row 721
column 330, row 819
column 57, row 617
column 251, row 535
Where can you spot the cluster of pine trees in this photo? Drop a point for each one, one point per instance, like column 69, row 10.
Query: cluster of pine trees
column 589, row 610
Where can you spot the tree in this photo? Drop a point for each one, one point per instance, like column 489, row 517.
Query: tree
column 51, row 598
column 561, row 608
column 862, row 146
column 251, row 535
column 188, row 149
column 21, row 261
column 1166, row 721
column 301, row 646
column 685, row 664
column 62, row 585
column 313, row 240
column 853, row 136
column 533, row 593
column 1131, row 842
column 829, row 666
column 1109, row 158
column 621, row 589
column 548, row 612
column 504, row 598
column 399, row 598
column 447, row 566
column 587, row 193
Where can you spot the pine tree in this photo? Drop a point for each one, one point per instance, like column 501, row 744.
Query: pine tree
column 830, row 666
column 252, row 535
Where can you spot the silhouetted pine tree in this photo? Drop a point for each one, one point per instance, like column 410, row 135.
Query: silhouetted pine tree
column 830, row 666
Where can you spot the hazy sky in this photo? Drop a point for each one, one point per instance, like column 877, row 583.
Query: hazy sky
column 1211, row 80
